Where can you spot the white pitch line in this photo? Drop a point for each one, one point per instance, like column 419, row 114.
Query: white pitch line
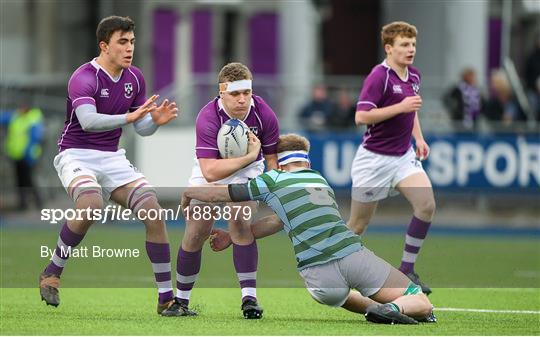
column 490, row 311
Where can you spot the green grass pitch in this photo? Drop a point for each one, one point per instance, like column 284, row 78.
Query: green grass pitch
column 116, row 296
column 287, row 312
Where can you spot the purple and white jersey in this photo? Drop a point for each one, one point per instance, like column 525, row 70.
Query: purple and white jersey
column 383, row 88
column 262, row 121
column 91, row 84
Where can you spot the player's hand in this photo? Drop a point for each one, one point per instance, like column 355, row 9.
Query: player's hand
column 254, row 145
column 185, row 203
column 219, row 239
column 411, row 104
column 147, row 107
column 422, row 149
column 164, row 113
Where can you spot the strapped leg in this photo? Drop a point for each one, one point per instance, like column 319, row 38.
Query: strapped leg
column 140, row 192
column 84, row 186
column 138, row 195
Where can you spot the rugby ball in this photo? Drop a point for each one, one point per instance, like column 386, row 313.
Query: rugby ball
column 232, row 139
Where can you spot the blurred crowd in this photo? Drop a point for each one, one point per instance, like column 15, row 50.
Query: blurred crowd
column 466, row 102
column 324, row 111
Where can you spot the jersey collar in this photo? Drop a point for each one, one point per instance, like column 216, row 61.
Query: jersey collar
column 98, row 67
column 384, row 64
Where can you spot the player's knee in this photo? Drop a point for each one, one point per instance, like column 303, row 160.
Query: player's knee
column 195, row 239
column 334, row 297
column 193, row 244
column 426, row 207
column 86, row 205
column 89, row 202
column 142, row 196
column 426, row 307
column 431, row 206
column 240, row 232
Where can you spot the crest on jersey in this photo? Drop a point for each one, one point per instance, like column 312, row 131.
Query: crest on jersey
column 254, row 129
column 128, row 90
column 416, row 88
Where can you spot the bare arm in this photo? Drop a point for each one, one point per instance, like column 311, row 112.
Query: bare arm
column 220, row 239
column 417, row 130
column 213, row 193
column 422, row 148
column 266, row 226
column 377, row 115
column 216, row 169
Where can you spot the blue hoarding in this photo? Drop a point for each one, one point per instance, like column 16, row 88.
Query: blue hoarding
column 502, row 162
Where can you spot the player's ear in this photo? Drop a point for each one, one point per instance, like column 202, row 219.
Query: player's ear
column 103, row 46
column 387, row 48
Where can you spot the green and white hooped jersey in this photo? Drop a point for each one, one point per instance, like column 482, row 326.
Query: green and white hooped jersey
column 307, row 206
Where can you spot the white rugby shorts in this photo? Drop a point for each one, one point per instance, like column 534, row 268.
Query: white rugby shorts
column 375, row 176
column 110, row 169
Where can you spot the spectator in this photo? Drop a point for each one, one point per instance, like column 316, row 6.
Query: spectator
column 316, row 113
column 532, row 78
column 464, row 101
column 23, row 147
column 344, row 111
column 502, row 105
